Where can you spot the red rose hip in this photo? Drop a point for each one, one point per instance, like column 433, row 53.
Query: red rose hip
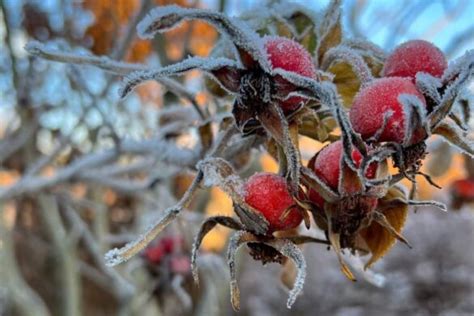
column 375, row 100
column 268, row 193
column 415, row 56
column 327, row 167
column 291, row 56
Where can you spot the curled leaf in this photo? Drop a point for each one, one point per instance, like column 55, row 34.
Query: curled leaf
column 377, row 238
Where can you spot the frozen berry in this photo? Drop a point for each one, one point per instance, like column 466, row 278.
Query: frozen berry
column 326, row 166
column 374, row 101
column 170, row 244
column 154, row 254
column 291, row 56
column 268, row 193
column 463, row 189
column 415, row 56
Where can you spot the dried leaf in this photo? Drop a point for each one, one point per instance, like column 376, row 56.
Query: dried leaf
column 330, row 31
column 206, row 136
column 378, row 239
column 206, row 227
column 346, row 81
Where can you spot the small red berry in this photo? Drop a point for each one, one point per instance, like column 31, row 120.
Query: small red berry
column 372, row 102
column 155, row 253
column 171, row 243
column 463, row 189
column 268, row 193
column 415, row 56
column 291, row 56
column 327, row 167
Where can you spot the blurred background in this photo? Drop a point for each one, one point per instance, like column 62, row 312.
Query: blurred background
column 82, row 171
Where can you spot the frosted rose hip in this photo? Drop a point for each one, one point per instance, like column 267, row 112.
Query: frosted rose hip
column 415, row 56
column 291, row 56
column 372, row 102
column 268, row 193
column 327, row 167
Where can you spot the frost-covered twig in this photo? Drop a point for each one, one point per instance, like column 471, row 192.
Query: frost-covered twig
column 162, row 150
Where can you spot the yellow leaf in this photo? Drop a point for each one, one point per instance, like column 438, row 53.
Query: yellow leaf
column 346, row 81
column 378, row 239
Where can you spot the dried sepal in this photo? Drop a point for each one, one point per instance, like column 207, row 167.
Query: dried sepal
column 382, row 220
column 335, row 240
column 236, row 241
column 449, row 96
column 428, row 86
column 377, row 238
column 456, row 137
column 206, row 227
column 350, row 181
column 291, row 251
column 164, row 18
column 288, row 274
column 415, row 117
column 224, row 71
column 276, row 124
column 310, row 179
column 330, row 30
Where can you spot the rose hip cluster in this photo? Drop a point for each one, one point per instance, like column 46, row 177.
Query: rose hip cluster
column 346, row 189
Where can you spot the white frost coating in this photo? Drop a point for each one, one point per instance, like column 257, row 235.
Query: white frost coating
column 352, row 57
column 445, row 107
column 165, row 18
column 290, row 250
column 457, row 66
column 370, row 276
column 428, row 85
column 438, row 205
column 415, row 115
column 204, row 64
column 47, row 52
column 117, row 256
column 213, row 176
